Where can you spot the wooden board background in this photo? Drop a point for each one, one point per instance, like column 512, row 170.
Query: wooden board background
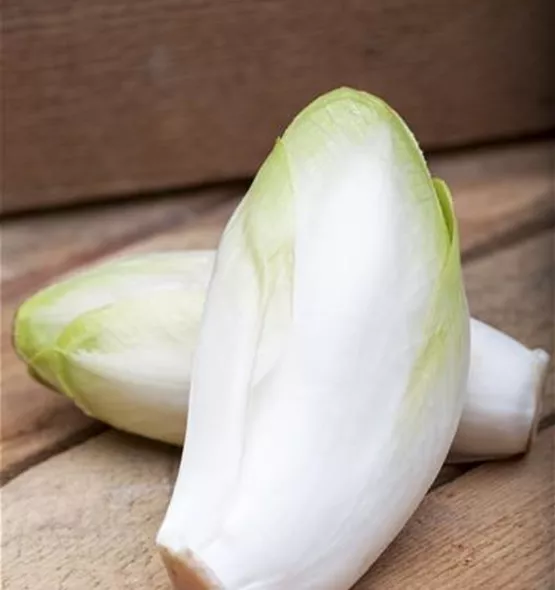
column 104, row 98
column 81, row 506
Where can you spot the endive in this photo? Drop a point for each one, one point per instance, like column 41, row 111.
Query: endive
column 332, row 360
column 117, row 339
column 158, row 298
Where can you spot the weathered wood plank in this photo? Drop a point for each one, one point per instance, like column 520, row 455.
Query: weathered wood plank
column 490, row 528
column 204, row 234
column 36, row 248
column 113, row 97
column 87, row 518
column 35, row 421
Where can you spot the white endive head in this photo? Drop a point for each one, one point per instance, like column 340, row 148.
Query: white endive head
column 115, row 338
column 330, row 370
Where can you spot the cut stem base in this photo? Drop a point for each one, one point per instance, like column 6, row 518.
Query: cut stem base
column 186, row 572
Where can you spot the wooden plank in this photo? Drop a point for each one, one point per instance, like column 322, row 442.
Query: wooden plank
column 88, row 518
column 38, row 247
column 491, row 528
column 36, row 422
column 205, row 234
column 112, row 97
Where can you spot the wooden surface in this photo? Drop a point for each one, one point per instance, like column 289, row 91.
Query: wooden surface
column 108, row 97
column 86, row 517
column 492, row 528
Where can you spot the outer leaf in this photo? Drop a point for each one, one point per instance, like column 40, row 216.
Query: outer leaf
column 127, row 364
column 41, row 318
column 118, row 338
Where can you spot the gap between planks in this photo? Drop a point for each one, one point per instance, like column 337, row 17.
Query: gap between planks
column 502, row 198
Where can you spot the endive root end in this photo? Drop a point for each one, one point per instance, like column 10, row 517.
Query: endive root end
column 186, row 572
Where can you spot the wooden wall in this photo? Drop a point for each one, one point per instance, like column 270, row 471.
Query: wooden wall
column 105, row 98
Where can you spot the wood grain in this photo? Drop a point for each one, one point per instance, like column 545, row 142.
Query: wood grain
column 36, row 422
column 491, row 528
column 36, row 248
column 108, row 98
column 88, row 518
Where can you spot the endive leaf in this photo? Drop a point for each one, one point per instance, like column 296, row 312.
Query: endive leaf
column 250, row 296
column 41, row 318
